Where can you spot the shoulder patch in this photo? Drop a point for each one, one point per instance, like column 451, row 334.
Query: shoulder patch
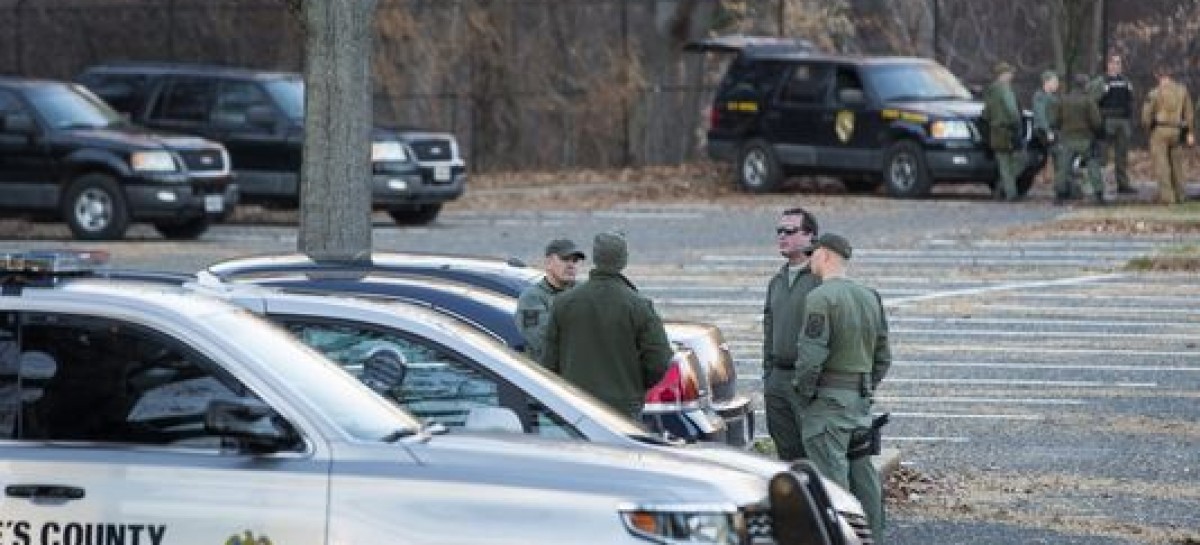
column 530, row 317
column 815, row 327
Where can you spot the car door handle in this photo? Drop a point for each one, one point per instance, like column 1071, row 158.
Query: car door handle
column 44, row 491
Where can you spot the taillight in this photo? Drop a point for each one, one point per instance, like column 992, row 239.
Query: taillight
column 679, row 385
column 714, row 116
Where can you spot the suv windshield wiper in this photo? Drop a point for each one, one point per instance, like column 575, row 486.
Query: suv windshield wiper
column 398, row 435
column 75, row 126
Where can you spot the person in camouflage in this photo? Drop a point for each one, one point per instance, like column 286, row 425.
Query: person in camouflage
column 1004, row 119
column 533, row 305
column 843, row 354
column 1168, row 116
column 1078, row 122
column 605, row 337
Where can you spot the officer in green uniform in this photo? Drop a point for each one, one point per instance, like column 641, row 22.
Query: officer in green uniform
column 605, row 337
column 843, row 355
column 1003, row 117
column 1078, row 122
column 781, row 328
column 1045, row 100
column 533, row 306
column 1167, row 114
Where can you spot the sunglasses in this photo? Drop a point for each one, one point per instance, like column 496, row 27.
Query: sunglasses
column 787, row 231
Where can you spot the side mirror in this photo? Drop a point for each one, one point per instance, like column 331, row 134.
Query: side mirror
column 17, row 123
column 261, row 116
column 851, row 97
column 258, row 427
column 493, row 419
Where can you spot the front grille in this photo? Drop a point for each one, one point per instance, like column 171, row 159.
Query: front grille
column 861, row 528
column 758, row 528
column 202, row 161
column 431, row 149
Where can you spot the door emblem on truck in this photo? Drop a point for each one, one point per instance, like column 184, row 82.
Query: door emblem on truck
column 844, row 125
column 247, row 538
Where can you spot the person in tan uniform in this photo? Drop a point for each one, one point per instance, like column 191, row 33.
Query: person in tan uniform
column 1168, row 116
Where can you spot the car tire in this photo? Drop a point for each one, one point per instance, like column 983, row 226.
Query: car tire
column 94, row 207
column 190, row 229
column 758, row 169
column 421, row 214
column 904, row 171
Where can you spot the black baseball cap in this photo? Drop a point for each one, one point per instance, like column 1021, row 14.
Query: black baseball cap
column 564, row 248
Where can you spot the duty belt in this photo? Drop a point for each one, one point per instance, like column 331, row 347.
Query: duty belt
column 844, row 381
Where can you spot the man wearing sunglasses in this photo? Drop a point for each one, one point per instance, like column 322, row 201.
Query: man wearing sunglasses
column 533, row 305
column 781, row 330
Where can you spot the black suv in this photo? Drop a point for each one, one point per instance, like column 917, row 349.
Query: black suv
column 65, row 154
column 259, row 116
column 905, row 122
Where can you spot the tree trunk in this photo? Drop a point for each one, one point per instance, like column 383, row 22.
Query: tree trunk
column 335, row 176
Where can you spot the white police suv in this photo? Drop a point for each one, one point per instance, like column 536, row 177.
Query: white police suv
column 135, row 413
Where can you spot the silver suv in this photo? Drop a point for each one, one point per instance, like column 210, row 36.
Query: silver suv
column 135, row 410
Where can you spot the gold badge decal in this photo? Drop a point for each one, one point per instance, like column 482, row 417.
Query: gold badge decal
column 844, row 125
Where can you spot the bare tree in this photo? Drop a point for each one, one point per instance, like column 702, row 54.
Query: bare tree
column 335, row 193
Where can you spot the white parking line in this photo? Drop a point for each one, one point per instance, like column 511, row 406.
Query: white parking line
column 970, row 416
column 752, row 347
column 1038, row 321
column 1002, row 287
column 1050, row 334
column 1074, row 309
column 980, row 400
column 1045, row 366
column 1021, row 382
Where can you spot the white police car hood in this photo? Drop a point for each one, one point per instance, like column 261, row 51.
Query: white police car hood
column 575, row 467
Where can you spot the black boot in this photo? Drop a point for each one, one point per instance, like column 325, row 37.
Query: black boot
column 1126, row 190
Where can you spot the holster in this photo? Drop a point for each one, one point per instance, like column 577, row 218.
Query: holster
column 868, row 441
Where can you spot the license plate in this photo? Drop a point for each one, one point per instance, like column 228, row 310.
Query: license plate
column 214, row 203
column 441, row 174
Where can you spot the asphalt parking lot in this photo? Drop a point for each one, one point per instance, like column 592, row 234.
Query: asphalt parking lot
column 1041, row 392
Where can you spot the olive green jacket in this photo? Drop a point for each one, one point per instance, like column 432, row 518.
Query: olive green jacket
column 606, row 338
column 1000, row 110
column 1077, row 117
column 781, row 316
column 533, row 312
column 845, row 330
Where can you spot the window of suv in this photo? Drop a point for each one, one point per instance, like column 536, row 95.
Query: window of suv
column 289, row 95
column 807, row 84
column 234, row 100
column 750, row 80
column 185, row 99
column 72, row 107
column 84, row 378
column 917, row 81
column 121, row 91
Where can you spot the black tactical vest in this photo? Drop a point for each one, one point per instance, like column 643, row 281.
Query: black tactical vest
column 1117, row 100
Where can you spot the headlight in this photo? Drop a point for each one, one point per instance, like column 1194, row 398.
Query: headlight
column 153, row 161
column 708, row 524
column 950, row 129
column 388, row 152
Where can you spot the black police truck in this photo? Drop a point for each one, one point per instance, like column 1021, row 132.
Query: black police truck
column 907, row 123
column 64, row 154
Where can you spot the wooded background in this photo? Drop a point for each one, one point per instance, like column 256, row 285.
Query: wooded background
column 553, row 84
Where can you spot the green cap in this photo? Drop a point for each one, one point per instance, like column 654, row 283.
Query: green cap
column 1049, row 75
column 564, row 248
column 837, row 243
column 1003, row 68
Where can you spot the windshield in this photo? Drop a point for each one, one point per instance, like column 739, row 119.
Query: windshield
column 912, row 82
column 348, row 404
column 289, row 94
column 71, row 107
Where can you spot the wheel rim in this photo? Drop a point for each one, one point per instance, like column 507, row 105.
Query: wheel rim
column 903, row 171
column 754, row 167
column 93, row 209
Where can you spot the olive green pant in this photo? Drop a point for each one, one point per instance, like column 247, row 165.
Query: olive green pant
column 782, row 408
column 1165, row 154
column 1117, row 132
column 1057, row 157
column 1066, row 177
column 1007, row 164
column 828, row 422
